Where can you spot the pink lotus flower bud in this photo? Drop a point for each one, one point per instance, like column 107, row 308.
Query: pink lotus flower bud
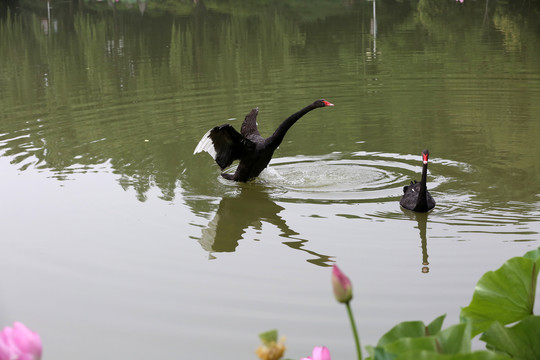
column 319, row 353
column 342, row 285
column 19, row 343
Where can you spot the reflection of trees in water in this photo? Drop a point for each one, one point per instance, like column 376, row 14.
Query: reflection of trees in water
column 107, row 81
column 250, row 209
column 96, row 99
column 496, row 18
column 11, row 5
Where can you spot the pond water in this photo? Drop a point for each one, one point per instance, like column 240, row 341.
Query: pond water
column 118, row 242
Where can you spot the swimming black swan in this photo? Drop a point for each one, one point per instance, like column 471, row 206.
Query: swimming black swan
column 416, row 197
column 225, row 144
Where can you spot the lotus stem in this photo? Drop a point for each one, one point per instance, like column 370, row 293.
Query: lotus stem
column 355, row 332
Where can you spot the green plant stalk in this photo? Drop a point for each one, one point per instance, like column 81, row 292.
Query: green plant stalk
column 355, row 333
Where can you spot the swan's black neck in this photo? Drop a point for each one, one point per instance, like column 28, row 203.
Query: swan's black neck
column 421, row 202
column 278, row 135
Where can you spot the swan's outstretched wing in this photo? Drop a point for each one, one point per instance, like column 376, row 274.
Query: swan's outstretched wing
column 225, row 145
column 249, row 126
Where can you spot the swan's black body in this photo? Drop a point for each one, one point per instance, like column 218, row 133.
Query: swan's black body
column 226, row 144
column 416, row 197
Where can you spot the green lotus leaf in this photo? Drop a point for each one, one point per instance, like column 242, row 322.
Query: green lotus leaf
column 522, row 341
column 411, row 329
column 407, row 344
column 505, row 295
column 414, row 336
column 456, row 339
column 428, row 355
column 435, row 326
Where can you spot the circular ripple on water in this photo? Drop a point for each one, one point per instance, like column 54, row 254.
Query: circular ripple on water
column 378, row 178
column 364, row 177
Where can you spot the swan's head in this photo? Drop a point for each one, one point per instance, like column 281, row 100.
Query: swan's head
column 425, row 156
column 322, row 103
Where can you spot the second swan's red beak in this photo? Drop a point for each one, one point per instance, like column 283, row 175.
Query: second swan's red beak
column 326, row 103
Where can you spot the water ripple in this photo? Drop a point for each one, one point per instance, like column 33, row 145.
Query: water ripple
column 358, row 177
column 377, row 179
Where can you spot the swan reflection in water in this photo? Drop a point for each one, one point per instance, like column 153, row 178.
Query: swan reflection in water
column 421, row 219
column 251, row 208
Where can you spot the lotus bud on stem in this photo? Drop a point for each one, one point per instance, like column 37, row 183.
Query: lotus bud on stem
column 343, row 292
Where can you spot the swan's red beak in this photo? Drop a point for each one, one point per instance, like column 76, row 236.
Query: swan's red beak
column 326, row 103
column 425, row 157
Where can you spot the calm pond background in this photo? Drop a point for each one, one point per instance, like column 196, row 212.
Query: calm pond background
column 118, row 242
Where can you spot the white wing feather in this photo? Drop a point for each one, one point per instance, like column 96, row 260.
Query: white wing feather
column 207, row 145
